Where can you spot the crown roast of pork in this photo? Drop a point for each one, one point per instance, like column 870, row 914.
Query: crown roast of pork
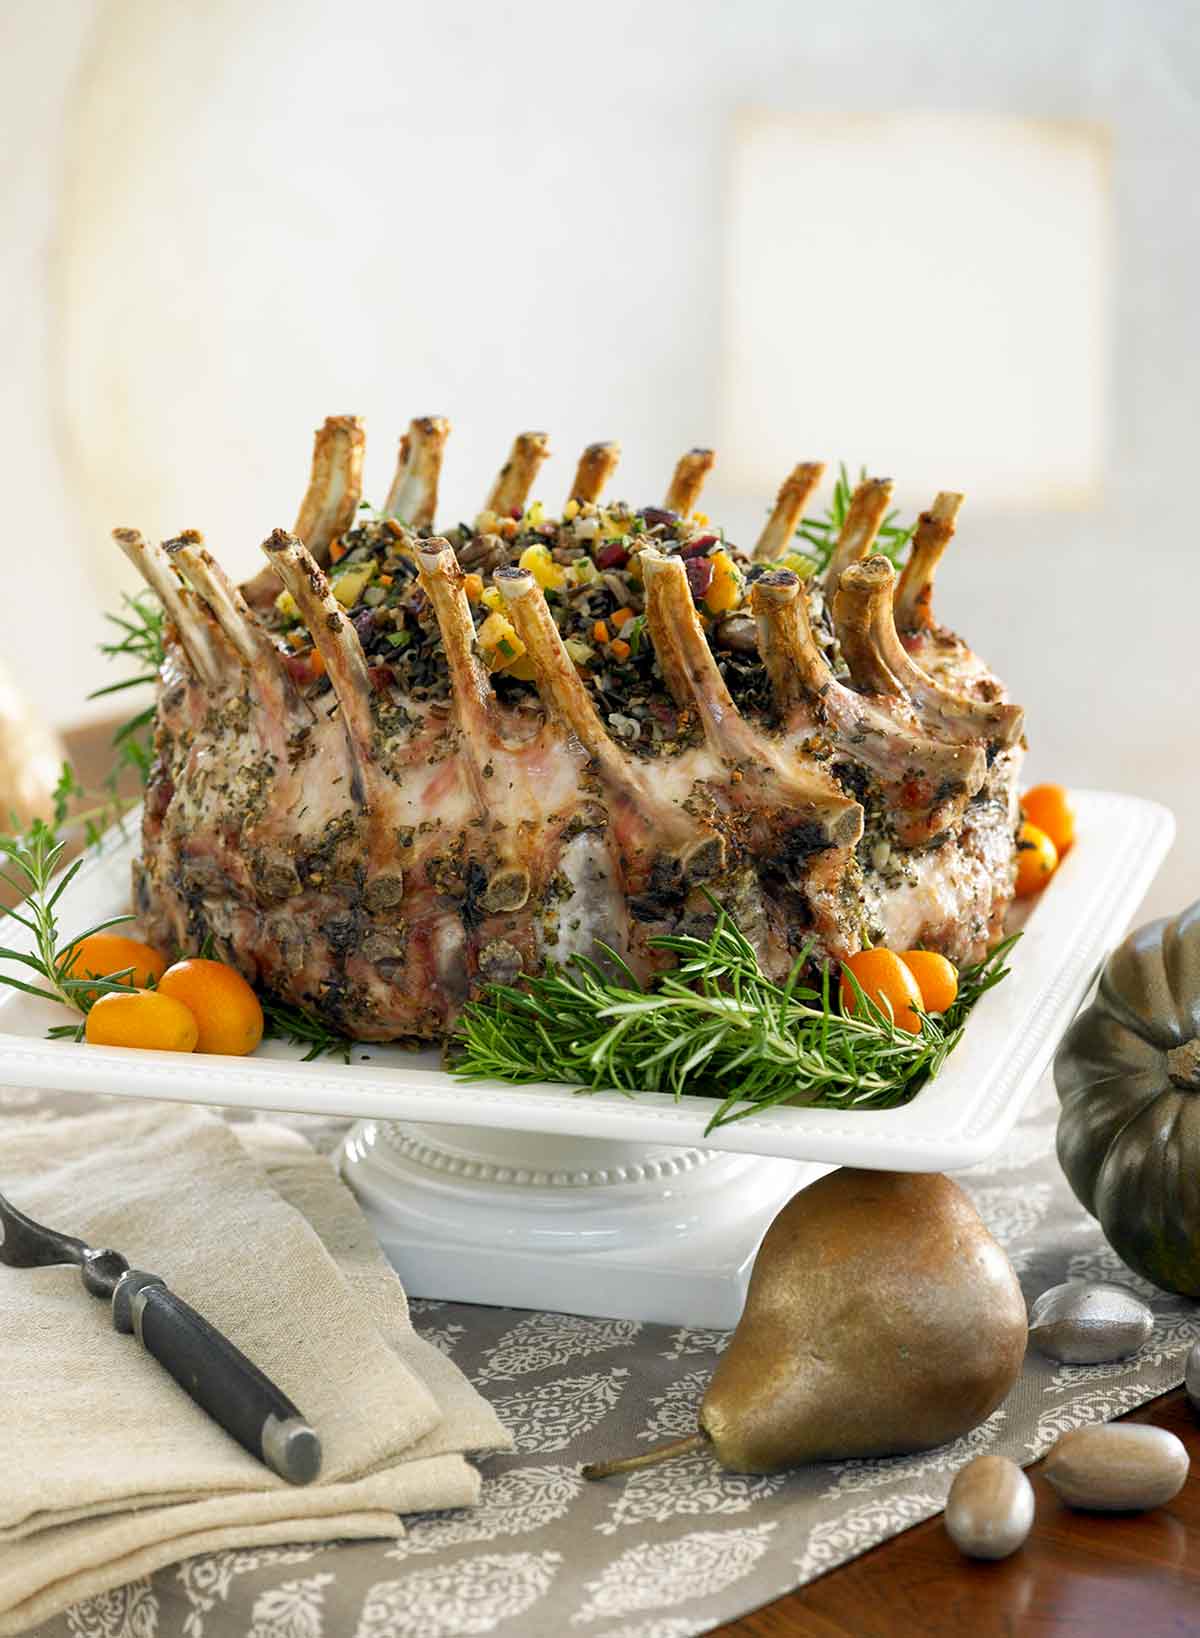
column 397, row 764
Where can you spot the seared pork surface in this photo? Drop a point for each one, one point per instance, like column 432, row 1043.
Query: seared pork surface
column 397, row 765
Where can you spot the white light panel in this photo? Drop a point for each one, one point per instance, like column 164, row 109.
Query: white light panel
column 925, row 293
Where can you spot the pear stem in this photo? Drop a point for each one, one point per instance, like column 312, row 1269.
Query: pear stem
column 647, row 1458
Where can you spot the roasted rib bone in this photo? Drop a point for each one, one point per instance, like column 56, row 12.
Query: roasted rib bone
column 596, row 466
column 868, row 508
column 688, row 479
column 413, row 495
column 879, row 662
column 330, row 501
column 928, row 782
column 515, row 479
column 199, row 640
column 789, row 507
column 934, row 532
column 783, row 794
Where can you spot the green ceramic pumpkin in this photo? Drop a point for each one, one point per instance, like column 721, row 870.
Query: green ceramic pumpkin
column 1128, row 1078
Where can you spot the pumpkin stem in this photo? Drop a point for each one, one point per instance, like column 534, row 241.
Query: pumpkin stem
column 1183, row 1065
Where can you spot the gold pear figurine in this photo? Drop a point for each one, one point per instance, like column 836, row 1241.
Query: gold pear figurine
column 882, row 1318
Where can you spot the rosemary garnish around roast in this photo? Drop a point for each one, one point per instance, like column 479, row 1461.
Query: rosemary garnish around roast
column 33, row 860
column 715, row 1026
column 286, row 1022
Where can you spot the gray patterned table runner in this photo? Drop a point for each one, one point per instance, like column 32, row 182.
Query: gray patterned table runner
column 668, row 1552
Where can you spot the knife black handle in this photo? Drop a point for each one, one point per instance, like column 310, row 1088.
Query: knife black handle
column 218, row 1376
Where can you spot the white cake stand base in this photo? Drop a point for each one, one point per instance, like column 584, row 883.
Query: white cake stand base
column 577, row 1225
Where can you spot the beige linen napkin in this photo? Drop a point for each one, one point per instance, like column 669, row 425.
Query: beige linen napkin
column 108, row 1469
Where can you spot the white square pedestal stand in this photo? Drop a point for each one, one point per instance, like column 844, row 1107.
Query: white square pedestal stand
column 577, row 1225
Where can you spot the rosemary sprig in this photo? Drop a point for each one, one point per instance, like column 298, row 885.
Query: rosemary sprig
column 99, row 815
column 141, row 628
column 715, row 1026
column 286, row 1022
column 140, row 642
column 819, row 535
column 33, row 860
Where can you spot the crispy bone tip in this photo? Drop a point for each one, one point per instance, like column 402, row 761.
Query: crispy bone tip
column 870, row 574
column 946, row 506
column 776, row 586
column 280, row 540
column 350, row 426
column 185, row 540
column 800, row 483
column 437, row 555
column 656, row 565
column 515, row 583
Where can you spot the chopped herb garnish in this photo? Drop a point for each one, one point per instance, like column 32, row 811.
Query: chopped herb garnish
column 634, row 633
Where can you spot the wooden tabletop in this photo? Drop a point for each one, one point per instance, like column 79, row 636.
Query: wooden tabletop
column 1083, row 1574
column 1089, row 1575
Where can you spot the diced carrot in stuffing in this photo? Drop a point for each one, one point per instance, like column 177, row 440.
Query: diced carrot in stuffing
column 600, row 632
column 619, row 649
column 621, row 617
column 336, row 552
column 473, row 586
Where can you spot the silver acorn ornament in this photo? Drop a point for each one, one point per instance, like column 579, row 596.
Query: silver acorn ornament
column 1089, row 1322
column 989, row 1511
column 1118, row 1467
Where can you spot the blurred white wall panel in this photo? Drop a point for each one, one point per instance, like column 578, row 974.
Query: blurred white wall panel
column 54, row 584
column 328, row 223
column 929, row 289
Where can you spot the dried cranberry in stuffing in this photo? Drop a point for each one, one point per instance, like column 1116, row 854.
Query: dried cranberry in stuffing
column 658, row 514
column 299, row 666
column 612, row 556
column 382, row 676
column 699, row 573
column 697, row 547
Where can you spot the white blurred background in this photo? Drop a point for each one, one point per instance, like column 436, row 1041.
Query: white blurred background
column 959, row 244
